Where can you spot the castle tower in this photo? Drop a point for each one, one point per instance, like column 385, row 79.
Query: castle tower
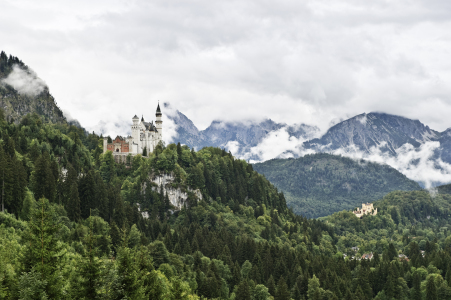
column 135, row 133
column 159, row 121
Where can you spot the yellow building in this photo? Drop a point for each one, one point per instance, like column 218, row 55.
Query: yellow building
column 367, row 209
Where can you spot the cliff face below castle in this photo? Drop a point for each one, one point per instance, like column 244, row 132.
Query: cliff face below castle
column 23, row 92
column 177, row 196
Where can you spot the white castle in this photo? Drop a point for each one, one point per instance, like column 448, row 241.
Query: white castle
column 367, row 209
column 145, row 136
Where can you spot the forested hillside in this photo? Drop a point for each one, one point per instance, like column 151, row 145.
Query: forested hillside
column 444, row 189
column 320, row 184
column 23, row 92
column 73, row 227
column 74, row 230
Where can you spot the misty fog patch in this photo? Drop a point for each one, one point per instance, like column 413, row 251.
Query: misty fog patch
column 25, row 82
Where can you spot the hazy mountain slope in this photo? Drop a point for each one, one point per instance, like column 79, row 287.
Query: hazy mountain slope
column 389, row 132
column 23, row 92
column 187, row 132
column 321, row 184
column 444, row 189
column 241, row 136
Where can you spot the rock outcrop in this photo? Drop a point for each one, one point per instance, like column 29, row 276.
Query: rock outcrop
column 177, row 196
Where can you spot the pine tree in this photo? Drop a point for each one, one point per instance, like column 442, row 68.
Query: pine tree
column 261, row 293
column 415, row 293
column 295, row 292
column 282, row 292
column 271, row 286
column 313, row 287
column 364, row 282
column 236, row 274
column 159, row 253
column 130, row 287
column 431, row 289
column 87, row 194
column 73, row 206
column 43, row 182
column 87, row 281
column 243, row 292
column 27, row 206
column 42, row 248
column 4, row 177
column 119, row 214
column 107, row 167
column 392, row 253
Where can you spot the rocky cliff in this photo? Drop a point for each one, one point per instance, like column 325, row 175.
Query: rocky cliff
column 23, row 92
column 374, row 130
column 177, row 196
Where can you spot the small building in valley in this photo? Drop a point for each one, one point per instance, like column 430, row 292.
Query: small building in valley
column 367, row 256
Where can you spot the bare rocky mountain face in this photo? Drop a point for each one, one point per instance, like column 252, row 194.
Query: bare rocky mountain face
column 409, row 145
column 238, row 137
column 23, row 92
column 368, row 132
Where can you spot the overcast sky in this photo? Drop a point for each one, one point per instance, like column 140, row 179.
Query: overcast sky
column 291, row 61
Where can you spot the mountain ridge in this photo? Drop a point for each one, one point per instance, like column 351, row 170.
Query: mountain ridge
column 23, row 92
column 408, row 145
column 320, row 184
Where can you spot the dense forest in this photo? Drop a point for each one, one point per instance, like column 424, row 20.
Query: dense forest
column 74, row 228
column 320, row 184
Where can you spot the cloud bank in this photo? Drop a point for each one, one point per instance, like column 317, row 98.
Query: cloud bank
column 292, row 61
column 419, row 164
column 25, row 81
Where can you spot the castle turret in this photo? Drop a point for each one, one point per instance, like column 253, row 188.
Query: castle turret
column 159, row 121
column 135, row 133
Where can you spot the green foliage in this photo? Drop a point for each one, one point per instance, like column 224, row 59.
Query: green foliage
column 42, row 250
column 233, row 237
column 320, row 184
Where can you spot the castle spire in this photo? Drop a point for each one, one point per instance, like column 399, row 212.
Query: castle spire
column 158, row 107
column 142, row 118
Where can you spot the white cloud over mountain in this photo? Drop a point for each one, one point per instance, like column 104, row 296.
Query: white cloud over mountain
column 292, row 61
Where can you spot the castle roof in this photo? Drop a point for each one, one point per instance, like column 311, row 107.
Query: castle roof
column 142, row 118
column 149, row 126
column 135, row 117
column 158, row 108
column 119, row 137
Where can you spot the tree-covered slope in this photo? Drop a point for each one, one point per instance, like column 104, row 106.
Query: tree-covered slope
column 74, row 229
column 402, row 218
column 321, row 184
column 444, row 189
column 23, row 92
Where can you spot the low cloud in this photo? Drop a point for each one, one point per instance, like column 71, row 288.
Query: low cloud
column 169, row 130
column 418, row 164
column 277, row 143
column 26, row 82
column 112, row 129
column 363, row 119
column 233, row 147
